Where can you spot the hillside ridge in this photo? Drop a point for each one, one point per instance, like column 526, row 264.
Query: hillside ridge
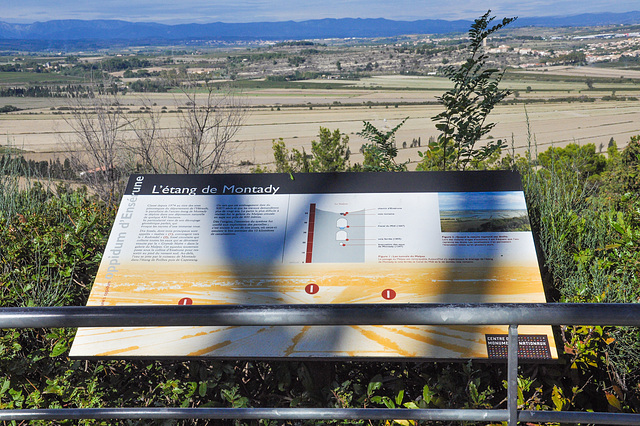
column 60, row 30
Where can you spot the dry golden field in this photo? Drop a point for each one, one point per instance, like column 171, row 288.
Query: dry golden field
column 44, row 131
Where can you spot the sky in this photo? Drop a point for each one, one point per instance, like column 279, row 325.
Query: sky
column 206, row 11
column 507, row 200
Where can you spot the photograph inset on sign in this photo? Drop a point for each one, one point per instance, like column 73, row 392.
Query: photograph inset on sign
column 337, row 237
column 483, row 212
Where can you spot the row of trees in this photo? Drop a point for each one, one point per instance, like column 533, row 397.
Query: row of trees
column 17, row 164
column 47, row 91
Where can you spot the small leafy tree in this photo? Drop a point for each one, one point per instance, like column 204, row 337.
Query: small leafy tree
column 466, row 107
column 582, row 160
column 380, row 154
column 288, row 161
column 330, row 153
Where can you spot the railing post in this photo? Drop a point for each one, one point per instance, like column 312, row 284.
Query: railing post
column 512, row 375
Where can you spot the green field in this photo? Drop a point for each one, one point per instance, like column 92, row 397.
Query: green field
column 19, row 78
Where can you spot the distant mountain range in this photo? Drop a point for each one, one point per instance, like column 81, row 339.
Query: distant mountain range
column 73, row 30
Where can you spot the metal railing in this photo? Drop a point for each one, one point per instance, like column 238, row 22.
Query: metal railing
column 512, row 315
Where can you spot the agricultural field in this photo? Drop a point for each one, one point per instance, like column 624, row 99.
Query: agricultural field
column 32, row 77
column 565, row 88
column 556, row 114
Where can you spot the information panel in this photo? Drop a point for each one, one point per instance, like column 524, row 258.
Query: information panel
column 415, row 237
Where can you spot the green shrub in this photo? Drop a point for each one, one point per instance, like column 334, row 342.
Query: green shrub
column 585, row 213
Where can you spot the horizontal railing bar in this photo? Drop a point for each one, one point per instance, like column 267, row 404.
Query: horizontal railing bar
column 579, row 417
column 320, row 414
column 623, row 314
column 256, row 413
column 355, row 314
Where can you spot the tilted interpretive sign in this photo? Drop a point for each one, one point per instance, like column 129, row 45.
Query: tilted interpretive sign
column 328, row 238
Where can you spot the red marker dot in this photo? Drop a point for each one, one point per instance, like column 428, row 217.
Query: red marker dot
column 312, row 288
column 185, row 301
column 343, row 245
column 347, row 239
column 388, row 294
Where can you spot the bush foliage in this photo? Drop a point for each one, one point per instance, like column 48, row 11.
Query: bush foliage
column 584, row 209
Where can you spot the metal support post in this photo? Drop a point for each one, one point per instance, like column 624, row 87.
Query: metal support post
column 512, row 375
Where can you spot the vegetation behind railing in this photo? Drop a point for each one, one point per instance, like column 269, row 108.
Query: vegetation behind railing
column 587, row 224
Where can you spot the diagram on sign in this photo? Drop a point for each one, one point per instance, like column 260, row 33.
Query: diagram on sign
column 335, row 237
